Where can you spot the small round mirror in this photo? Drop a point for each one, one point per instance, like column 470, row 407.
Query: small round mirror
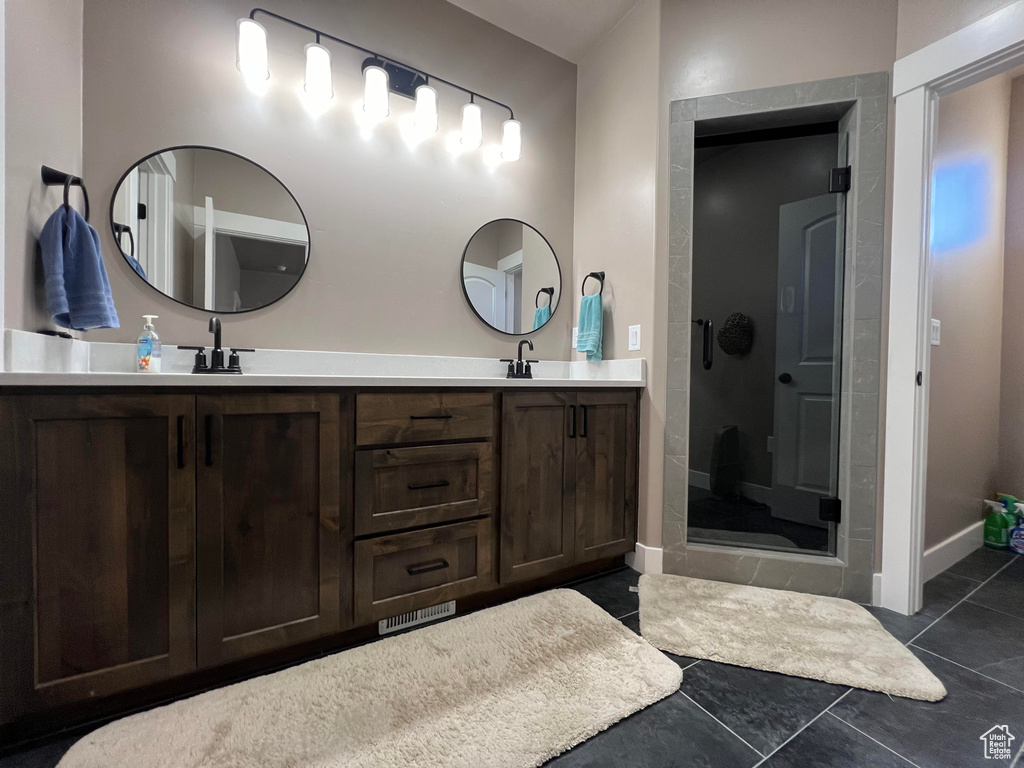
column 510, row 276
column 210, row 229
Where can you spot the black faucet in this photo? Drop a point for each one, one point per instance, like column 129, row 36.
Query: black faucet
column 217, row 354
column 520, row 369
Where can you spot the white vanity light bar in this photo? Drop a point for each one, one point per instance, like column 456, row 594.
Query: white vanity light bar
column 382, row 76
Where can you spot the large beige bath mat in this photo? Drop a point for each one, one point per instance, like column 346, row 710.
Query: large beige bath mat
column 509, row 686
column 823, row 638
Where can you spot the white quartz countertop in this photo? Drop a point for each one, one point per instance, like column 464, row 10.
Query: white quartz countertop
column 35, row 360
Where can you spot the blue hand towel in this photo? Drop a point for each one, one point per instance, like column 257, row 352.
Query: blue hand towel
column 77, row 289
column 541, row 316
column 591, row 328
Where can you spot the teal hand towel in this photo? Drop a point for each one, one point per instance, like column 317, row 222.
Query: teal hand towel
column 588, row 337
column 541, row 316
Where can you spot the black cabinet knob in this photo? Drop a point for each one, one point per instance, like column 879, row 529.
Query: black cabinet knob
column 785, row 378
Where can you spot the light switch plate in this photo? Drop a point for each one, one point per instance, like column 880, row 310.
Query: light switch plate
column 634, row 338
column 936, row 332
column 575, row 333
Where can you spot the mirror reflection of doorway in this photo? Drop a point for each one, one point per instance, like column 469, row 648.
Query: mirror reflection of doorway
column 768, row 245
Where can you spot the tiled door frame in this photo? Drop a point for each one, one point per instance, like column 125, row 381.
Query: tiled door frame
column 984, row 49
column 849, row 574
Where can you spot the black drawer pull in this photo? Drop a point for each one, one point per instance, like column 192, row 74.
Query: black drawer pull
column 181, row 442
column 441, row 484
column 442, row 417
column 432, row 565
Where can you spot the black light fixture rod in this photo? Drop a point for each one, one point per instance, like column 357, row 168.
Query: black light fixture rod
column 320, row 33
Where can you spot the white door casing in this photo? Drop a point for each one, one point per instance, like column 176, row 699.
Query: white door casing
column 981, row 50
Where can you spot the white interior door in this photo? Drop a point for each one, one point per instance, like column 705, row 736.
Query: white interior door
column 486, row 289
column 806, row 397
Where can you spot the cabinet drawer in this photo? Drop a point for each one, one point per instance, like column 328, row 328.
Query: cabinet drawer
column 402, row 572
column 383, row 419
column 408, row 487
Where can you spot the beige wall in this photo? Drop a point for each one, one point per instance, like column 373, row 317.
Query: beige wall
column 967, row 297
column 388, row 224
column 922, row 22
column 616, row 170
column 1010, row 476
column 43, row 107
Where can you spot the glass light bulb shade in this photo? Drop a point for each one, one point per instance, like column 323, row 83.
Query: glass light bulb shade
column 472, row 126
column 426, row 110
column 319, row 84
column 511, row 140
column 251, row 53
column 375, row 93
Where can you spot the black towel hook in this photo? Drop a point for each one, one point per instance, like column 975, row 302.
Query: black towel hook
column 598, row 276
column 551, row 296
column 52, row 177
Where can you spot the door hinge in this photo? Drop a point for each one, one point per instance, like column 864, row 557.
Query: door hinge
column 140, row 211
column 919, row 378
column 830, row 509
column 839, row 180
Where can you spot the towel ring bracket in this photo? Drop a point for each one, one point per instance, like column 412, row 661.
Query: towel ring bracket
column 597, row 276
column 54, row 178
column 551, row 296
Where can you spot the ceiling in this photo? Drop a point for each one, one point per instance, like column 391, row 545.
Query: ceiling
column 567, row 28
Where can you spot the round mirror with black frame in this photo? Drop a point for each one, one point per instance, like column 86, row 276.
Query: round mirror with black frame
column 210, row 229
column 510, row 277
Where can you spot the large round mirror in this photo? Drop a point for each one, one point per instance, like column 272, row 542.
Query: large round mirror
column 210, row 229
column 510, row 276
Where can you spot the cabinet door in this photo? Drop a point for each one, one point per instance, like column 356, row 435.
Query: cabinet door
column 606, row 474
column 97, row 574
column 268, row 522
column 538, row 483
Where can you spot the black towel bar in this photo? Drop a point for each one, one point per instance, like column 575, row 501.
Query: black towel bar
column 54, row 178
column 551, row 296
column 598, row 276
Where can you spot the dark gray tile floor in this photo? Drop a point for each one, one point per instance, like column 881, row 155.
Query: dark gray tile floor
column 970, row 634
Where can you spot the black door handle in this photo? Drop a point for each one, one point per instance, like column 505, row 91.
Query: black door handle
column 785, row 378
column 572, row 421
column 709, row 348
column 181, row 442
column 433, row 565
column 441, row 484
column 209, row 440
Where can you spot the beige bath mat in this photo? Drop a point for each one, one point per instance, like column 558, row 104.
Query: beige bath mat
column 823, row 638
column 509, row 686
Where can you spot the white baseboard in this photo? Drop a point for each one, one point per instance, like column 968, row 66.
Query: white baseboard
column 876, row 589
column 758, row 493
column 952, row 550
column 645, row 559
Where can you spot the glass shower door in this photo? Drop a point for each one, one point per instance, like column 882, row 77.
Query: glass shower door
column 764, row 421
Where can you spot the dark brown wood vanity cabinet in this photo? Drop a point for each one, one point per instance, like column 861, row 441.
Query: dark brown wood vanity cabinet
column 97, row 573
column 423, row 459
column 269, row 527
column 569, row 480
column 148, row 536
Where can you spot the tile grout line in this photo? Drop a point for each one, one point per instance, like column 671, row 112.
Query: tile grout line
column 961, row 600
column 990, row 608
column 730, row 730
column 869, row 736
column 806, row 725
column 957, row 664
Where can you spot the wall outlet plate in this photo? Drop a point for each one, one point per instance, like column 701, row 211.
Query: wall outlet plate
column 575, row 333
column 936, row 332
column 634, row 338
